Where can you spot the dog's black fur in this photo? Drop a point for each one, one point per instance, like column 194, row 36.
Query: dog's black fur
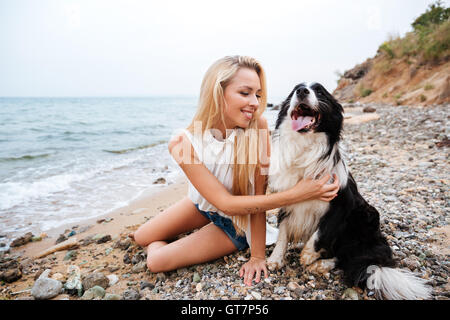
column 350, row 231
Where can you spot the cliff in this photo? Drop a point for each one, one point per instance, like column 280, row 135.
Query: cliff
column 409, row 70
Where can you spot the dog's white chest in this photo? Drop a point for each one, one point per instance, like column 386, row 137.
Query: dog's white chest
column 293, row 158
column 304, row 218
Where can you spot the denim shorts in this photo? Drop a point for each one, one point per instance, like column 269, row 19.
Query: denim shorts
column 227, row 226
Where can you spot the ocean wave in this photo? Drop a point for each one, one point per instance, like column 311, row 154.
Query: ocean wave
column 136, row 148
column 14, row 193
column 87, row 133
column 25, row 157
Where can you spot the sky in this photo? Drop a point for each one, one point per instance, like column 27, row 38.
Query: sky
column 63, row 48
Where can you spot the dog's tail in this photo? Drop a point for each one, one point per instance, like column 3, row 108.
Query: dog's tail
column 396, row 284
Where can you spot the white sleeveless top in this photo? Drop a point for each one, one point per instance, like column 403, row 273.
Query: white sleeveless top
column 217, row 156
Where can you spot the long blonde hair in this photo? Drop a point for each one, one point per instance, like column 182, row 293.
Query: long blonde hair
column 210, row 112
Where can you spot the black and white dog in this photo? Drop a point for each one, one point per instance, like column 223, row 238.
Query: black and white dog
column 345, row 232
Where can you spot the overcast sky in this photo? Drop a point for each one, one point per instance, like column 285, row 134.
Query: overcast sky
column 147, row 48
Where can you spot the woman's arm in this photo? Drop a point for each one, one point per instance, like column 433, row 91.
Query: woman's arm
column 216, row 193
column 258, row 220
column 257, row 263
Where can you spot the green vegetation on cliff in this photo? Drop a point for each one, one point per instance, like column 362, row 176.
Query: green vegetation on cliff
column 428, row 42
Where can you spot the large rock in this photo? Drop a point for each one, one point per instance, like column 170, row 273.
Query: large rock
column 11, row 275
column 22, row 240
column 46, row 288
column 10, row 270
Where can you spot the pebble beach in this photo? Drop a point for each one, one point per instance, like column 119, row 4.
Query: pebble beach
column 399, row 157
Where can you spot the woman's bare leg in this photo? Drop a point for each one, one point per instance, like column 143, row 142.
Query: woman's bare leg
column 181, row 217
column 206, row 244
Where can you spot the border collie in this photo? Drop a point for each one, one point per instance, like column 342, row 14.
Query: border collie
column 345, row 232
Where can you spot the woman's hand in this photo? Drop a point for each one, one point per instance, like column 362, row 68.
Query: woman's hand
column 310, row 189
column 250, row 268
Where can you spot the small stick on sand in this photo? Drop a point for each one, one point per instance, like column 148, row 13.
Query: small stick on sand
column 68, row 244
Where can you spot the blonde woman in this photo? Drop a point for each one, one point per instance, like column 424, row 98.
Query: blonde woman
column 224, row 153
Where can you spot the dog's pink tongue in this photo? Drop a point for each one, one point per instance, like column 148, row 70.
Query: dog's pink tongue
column 300, row 123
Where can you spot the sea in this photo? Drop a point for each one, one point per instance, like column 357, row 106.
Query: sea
column 65, row 160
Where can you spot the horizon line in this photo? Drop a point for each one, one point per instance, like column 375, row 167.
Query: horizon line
column 131, row 96
column 104, row 96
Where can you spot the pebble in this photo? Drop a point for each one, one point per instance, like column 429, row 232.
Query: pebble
column 123, row 244
column 196, row 277
column 256, row 295
column 95, row 279
column 103, row 239
column 140, row 267
column 279, row 290
column 112, row 296
column 293, row 286
column 131, row 294
column 161, row 277
column 61, row 238
column 350, row 294
column 159, row 181
column 113, row 279
column 70, row 255
column 145, row 284
column 93, row 293
column 147, row 294
column 72, row 233
column 73, row 285
column 36, row 239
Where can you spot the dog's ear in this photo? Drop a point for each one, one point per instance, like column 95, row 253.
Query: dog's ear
column 283, row 111
column 284, row 106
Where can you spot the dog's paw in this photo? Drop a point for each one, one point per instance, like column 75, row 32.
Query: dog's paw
column 315, row 269
column 306, row 258
column 274, row 264
column 322, row 267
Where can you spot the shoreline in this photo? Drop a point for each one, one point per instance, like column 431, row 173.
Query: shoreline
column 135, row 213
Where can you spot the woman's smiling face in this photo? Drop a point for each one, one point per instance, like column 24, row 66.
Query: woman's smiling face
column 242, row 97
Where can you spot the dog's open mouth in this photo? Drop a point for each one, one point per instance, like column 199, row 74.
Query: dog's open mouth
column 304, row 118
